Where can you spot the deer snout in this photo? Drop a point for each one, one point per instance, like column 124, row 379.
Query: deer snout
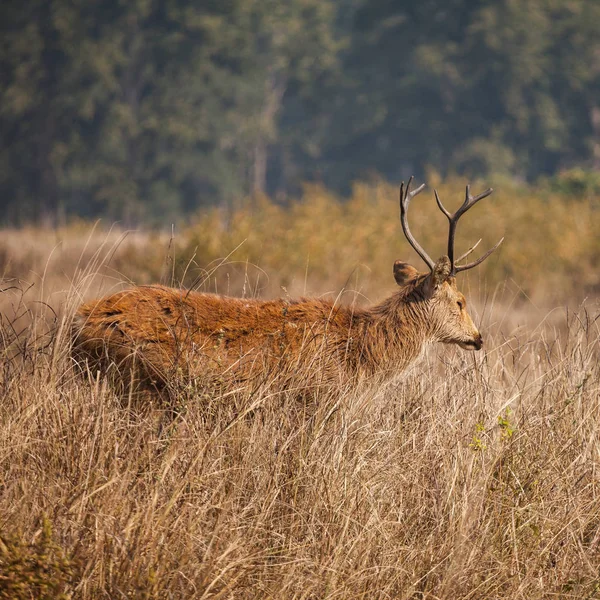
column 475, row 344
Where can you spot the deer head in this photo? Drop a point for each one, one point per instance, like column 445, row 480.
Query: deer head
column 435, row 293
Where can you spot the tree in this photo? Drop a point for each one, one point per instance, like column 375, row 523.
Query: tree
column 146, row 110
column 478, row 87
column 34, row 130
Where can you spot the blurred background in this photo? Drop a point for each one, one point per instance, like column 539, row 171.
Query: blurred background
column 144, row 111
column 237, row 119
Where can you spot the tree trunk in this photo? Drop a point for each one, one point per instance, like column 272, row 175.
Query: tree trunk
column 259, row 167
column 274, row 90
column 595, row 118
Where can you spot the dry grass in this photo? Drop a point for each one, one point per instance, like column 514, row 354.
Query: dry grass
column 551, row 251
column 320, row 245
column 476, row 476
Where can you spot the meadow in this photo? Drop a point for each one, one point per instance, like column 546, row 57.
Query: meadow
column 476, row 475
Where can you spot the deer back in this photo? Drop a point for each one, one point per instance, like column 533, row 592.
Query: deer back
column 170, row 333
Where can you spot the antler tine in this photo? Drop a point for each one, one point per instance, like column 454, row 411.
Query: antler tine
column 463, row 256
column 440, row 205
column 405, row 198
column 453, row 220
column 479, row 260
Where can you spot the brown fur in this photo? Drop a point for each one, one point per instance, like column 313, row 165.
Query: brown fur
column 158, row 335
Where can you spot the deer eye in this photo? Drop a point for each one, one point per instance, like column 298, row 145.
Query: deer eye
column 461, row 304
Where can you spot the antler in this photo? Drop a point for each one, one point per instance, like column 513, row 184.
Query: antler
column 453, row 220
column 405, row 198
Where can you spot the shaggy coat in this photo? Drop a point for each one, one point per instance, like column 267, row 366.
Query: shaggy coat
column 156, row 336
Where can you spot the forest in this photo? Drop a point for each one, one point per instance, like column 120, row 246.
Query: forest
column 146, row 111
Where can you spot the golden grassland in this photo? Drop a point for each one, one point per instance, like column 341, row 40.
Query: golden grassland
column 474, row 476
column 317, row 245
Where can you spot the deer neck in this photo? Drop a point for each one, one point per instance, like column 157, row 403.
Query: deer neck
column 398, row 330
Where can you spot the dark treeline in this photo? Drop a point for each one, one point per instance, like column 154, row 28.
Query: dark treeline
column 146, row 110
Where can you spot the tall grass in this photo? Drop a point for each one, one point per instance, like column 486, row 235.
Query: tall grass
column 551, row 251
column 320, row 244
column 475, row 476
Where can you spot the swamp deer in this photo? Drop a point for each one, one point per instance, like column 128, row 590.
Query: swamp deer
column 154, row 336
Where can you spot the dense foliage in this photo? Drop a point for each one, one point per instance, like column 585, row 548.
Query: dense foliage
column 143, row 109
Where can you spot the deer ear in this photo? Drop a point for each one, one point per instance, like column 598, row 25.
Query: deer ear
column 403, row 272
column 441, row 272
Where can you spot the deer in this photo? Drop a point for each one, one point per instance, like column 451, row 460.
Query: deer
column 153, row 335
